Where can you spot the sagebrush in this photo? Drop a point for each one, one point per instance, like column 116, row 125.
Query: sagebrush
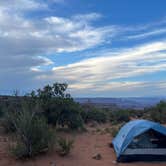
column 64, row 146
column 33, row 135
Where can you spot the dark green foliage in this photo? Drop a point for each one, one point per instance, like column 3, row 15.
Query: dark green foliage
column 119, row 116
column 1, row 111
column 70, row 115
column 64, row 112
column 52, row 102
column 57, row 106
column 32, row 133
column 97, row 115
column 91, row 113
column 158, row 113
column 7, row 121
column 65, row 146
column 56, row 90
column 10, row 113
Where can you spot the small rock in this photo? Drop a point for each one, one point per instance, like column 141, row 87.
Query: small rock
column 52, row 163
column 97, row 156
column 114, row 162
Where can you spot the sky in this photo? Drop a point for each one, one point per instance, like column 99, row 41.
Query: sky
column 109, row 48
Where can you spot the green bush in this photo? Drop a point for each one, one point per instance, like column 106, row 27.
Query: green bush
column 7, row 121
column 65, row 146
column 33, row 135
column 158, row 113
column 94, row 114
column 1, row 111
column 58, row 107
column 12, row 111
column 70, row 115
column 119, row 116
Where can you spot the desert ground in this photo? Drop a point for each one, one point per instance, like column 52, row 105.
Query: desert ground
column 86, row 145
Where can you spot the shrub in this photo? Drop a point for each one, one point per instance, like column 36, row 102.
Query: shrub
column 119, row 116
column 94, row 114
column 33, row 135
column 12, row 111
column 1, row 111
column 70, row 115
column 158, row 113
column 65, row 146
column 58, row 107
column 7, row 121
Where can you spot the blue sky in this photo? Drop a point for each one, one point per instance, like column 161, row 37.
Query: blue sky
column 110, row 48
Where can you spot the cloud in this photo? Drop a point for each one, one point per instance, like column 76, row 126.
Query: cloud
column 143, row 55
column 87, row 17
column 145, row 31
column 77, row 35
column 120, row 89
column 147, row 34
column 100, row 73
column 21, row 5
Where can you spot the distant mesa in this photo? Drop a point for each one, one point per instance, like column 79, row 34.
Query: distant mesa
column 125, row 103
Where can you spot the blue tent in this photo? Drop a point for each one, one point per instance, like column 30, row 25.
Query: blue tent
column 131, row 130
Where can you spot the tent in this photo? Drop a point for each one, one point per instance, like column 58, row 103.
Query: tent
column 140, row 140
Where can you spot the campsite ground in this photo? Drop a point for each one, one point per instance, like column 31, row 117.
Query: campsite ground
column 86, row 145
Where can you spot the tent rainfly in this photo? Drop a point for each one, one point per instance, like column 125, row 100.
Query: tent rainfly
column 140, row 140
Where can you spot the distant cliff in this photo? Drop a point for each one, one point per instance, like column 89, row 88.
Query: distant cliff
column 124, row 103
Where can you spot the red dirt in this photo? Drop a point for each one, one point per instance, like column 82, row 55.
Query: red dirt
column 86, row 146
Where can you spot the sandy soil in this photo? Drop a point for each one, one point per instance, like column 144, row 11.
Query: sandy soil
column 86, row 146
